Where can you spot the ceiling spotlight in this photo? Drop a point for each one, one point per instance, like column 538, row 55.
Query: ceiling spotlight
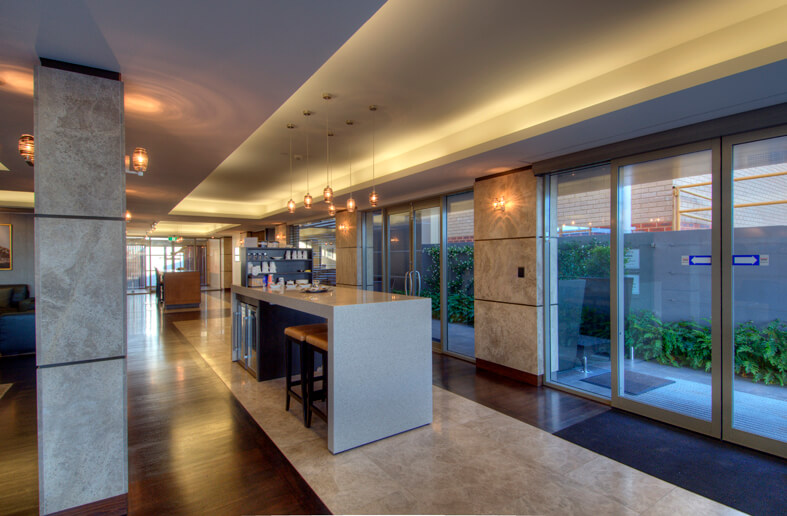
column 27, row 148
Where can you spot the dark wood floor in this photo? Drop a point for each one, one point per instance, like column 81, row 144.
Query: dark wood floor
column 547, row 409
column 18, row 437
column 193, row 449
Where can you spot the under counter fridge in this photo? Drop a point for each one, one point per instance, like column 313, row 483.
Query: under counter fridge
column 244, row 336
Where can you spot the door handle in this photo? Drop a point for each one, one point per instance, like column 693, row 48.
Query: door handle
column 417, row 292
column 407, row 280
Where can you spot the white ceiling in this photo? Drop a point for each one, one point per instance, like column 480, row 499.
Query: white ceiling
column 464, row 88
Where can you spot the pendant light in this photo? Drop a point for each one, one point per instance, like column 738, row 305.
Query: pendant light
column 307, row 199
column 350, row 202
column 327, row 193
column 291, row 203
column 373, row 197
column 331, row 209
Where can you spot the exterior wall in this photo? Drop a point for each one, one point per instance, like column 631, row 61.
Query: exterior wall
column 509, row 309
column 460, row 227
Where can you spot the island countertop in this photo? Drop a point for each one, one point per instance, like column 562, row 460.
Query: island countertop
column 379, row 357
column 322, row 303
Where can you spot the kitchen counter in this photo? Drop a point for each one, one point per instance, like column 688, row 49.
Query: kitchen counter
column 379, row 358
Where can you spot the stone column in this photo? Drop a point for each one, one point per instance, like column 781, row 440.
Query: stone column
column 508, row 276
column 81, row 302
column 349, row 268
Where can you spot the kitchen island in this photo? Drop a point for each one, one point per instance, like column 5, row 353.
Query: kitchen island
column 379, row 357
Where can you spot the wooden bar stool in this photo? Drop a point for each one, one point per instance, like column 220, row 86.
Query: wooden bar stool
column 296, row 335
column 316, row 343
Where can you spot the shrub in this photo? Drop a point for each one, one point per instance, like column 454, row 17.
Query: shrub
column 760, row 352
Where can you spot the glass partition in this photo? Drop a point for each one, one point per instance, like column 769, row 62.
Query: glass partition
column 578, row 270
column 460, row 320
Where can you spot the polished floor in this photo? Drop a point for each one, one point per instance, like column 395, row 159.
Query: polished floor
column 204, row 438
column 472, row 459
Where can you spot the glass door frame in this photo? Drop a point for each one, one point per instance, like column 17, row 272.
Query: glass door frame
column 727, row 303
column 617, row 330
column 411, row 208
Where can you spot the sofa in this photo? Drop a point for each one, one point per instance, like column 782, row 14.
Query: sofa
column 17, row 320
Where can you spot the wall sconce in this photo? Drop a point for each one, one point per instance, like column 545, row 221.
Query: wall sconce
column 499, row 204
column 139, row 162
column 27, row 148
column 128, row 216
column 343, row 227
column 140, row 159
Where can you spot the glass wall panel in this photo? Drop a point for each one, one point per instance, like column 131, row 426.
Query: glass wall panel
column 135, row 264
column 320, row 237
column 759, row 273
column 459, row 271
column 426, row 227
column 665, row 218
column 579, row 266
column 373, row 251
column 398, row 251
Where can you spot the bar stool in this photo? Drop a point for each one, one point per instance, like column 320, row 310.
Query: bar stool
column 296, row 335
column 316, row 343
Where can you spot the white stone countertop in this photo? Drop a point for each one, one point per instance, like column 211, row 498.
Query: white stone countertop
column 320, row 303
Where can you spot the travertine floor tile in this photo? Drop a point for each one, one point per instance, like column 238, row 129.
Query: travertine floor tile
column 680, row 502
column 470, row 460
column 632, row 488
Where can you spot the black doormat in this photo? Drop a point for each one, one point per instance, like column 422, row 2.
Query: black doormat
column 636, row 383
column 745, row 479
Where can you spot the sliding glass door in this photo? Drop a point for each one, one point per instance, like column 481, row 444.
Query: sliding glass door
column 414, row 255
column 425, row 248
column 663, row 277
column 673, row 306
column 755, row 310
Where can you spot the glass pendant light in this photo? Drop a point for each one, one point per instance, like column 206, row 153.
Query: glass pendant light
column 331, row 210
column 373, row 197
column 327, row 193
column 291, row 202
column 350, row 202
column 307, row 199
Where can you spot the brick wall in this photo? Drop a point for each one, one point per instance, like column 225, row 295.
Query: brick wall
column 460, row 226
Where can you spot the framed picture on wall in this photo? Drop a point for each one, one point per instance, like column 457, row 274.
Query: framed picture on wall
column 6, row 251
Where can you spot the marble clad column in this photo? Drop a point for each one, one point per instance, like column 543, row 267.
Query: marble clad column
column 508, row 276
column 80, row 305
column 349, row 266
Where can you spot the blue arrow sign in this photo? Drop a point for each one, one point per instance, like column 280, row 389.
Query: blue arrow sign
column 703, row 259
column 751, row 260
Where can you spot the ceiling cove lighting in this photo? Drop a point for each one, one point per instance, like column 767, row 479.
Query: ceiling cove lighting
column 291, row 202
column 499, row 204
column 327, row 193
column 373, row 197
column 307, row 199
column 350, row 202
column 27, row 148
